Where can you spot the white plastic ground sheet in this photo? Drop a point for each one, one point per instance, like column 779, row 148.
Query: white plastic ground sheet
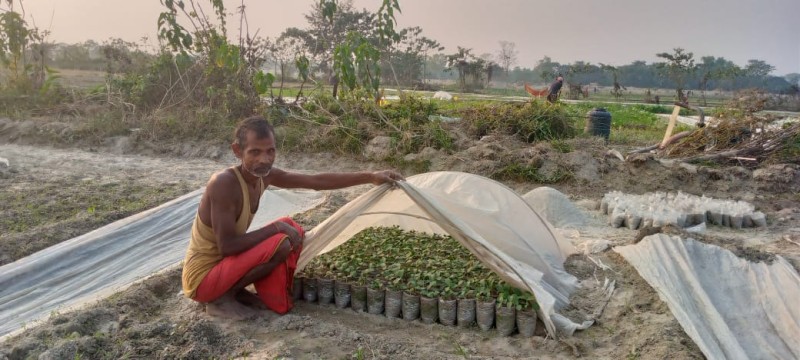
column 111, row 257
column 556, row 208
column 486, row 217
column 731, row 307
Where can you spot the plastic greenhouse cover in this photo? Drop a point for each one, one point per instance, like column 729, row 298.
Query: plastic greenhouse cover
column 486, row 217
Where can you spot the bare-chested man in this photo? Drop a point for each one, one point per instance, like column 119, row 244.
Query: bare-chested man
column 223, row 258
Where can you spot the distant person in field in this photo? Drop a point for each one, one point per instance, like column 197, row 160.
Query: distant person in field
column 555, row 89
column 223, row 258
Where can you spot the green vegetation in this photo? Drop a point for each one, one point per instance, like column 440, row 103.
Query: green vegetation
column 529, row 121
column 201, row 67
column 345, row 126
column 26, row 77
column 202, row 81
column 631, row 124
column 791, row 150
column 428, row 265
column 530, row 173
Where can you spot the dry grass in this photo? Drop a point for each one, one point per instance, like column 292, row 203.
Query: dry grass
column 83, row 79
column 742, row 136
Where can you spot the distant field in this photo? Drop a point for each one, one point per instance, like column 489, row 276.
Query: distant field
column 85, row 79
column 631, row 95
column 88, row 78
column 81, row 78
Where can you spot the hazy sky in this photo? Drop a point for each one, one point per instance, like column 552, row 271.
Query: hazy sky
column 616, row 32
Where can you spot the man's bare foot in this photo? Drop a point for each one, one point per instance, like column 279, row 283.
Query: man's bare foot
column 227, row 307
column 244, row 296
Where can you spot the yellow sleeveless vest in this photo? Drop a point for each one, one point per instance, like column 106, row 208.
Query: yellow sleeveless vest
column 203, row 254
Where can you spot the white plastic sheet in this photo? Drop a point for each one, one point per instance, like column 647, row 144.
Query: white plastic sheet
column 111, row 257
column 489, row 219
column 486, row 217
column 556, row 208
column 732, row 308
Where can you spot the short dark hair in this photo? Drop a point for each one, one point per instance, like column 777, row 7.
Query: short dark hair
column 257, row 124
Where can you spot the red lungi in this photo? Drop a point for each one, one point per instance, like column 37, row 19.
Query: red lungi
column 275, row 290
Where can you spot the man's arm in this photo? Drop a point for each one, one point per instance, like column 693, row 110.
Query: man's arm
column 330, row 181
column 223, row 220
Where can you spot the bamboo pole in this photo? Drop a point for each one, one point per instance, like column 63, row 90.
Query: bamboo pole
column 672, row 120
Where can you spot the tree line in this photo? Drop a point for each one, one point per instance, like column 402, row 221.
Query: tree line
column 359, row 48
column 678, row 69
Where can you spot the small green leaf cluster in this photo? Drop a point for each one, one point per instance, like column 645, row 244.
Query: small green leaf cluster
column 428, row 265
column 412, row 109
column 510, row 296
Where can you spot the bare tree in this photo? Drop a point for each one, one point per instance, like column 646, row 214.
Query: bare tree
column 507, row 56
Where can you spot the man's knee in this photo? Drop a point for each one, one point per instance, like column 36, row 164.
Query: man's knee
column 283, row 250
column 294, row 224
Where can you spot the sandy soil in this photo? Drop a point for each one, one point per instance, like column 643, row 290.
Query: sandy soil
column 152, row 319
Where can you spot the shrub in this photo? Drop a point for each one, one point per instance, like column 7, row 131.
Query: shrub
column 530, row 122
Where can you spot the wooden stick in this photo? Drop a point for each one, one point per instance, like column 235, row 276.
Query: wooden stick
column 678, row 136
column 730, row 153
column 644, row 150
column 787, row 238
column 671, row 140
column 672, row 119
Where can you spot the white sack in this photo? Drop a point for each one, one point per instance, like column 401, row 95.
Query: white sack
column 556, row 208
column 442, row 95
column 488, row 218
column 730, row 307
column 107, row 259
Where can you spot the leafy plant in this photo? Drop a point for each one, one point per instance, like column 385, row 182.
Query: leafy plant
column 23, row 60
column 225, row 75
column 486, row 289
column 428, row 265
column 510, row 296
column 357, row 59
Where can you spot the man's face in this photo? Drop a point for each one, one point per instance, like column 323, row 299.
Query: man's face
column 257, row 155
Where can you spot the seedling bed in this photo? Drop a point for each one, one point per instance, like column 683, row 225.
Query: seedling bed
column 412, row 275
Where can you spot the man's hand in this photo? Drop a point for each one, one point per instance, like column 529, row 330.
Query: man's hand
column 294, row 236
column 386, row 176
